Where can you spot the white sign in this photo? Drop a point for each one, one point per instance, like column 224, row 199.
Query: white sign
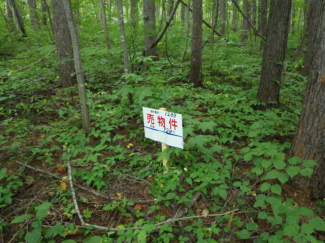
column 163, row 126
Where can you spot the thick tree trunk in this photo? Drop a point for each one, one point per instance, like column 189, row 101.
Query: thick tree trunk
column 18, row 18
column 309, row 142
column 245, row 26
column 103, row 20
column 223, row 16
column 78, row 66
column 33, row 14
column 63, row 44
column 149, row 27
column 274, row 53
column 196, row 56
column 313, row 21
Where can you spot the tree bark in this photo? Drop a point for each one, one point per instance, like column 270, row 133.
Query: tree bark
column 63, row 44
column 122, row 34
column 78, row 66
column 223, row 16
column 196, row 56
column 33, row 14
column 262, row 23
column 9, row 13
column 44, row 12
column 18, row 18
column 309, row 141
column 245, row 26
column 253, row 12
column 274, row 53
column 134, row 13
column 313, row 21
column 234, row 19
column 103, row 20
column 149, row 27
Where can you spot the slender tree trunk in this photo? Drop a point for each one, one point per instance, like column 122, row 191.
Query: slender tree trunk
column 122, row 34
column 63, row 44
column 196, row 56
column 245, row 26
column 77, row 11
column 223, row 16
column 104, row 23
column 18, row 18
column 274, row 53
column 187, row 30
column 183, row 13
column 78, row 66
column 253, row 12
column 170, row 6
column 309, row 141
column 44, row 13
column 293, row 17
column 313, row 21
column 234, row 19
column 149, row 27
column 33, row 14
column 262, row 19
column 134, row 13
column 9, row 13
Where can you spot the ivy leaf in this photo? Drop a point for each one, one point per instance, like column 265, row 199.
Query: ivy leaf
column 293, row 171
column 277, row 189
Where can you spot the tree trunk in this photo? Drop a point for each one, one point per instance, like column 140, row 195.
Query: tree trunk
column 134, row 13
column 293, row 17
column 149, row 27
column 187, row 29
column 183, row 13
column 313, row 21
column 309, row 141
column 44, row 12
column 245, row 26
column 122, row 34
column 63, row 44
column 33, row 14
column 9, row 13
column 223, row 16
column 234, row 19
column 170, row 6
column 18, row 18
column 274, row 53
column 196, row 56
column 104, row 23
column 78, row 67
column 262, row 26
column 253, row 12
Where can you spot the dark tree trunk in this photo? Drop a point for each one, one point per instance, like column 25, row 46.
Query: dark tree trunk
column 9, row 13
column 293, row 17
column 274, row 53
column 44, row 13
column 183, row 13
column 18, row 18
column 313, row 21
column 234, row 19
column 309, row 142
column 103, row 20
column 33, row 14
column 262, row 25
column 63, row 44
column 253, row 12
column 134, row 13
column 149, row 26
column 196, row 56
column 245, row 27
column 223, row 16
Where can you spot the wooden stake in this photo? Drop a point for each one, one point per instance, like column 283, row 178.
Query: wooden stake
column 163, row 147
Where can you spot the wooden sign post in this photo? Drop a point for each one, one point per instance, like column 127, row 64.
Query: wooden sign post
column 165, row 127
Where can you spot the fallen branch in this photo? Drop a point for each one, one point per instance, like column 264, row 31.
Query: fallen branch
column 248, row 21
column 204, row 22
column 96, row 193
column 24, row 68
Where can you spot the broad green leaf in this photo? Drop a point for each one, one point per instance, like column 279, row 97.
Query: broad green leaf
column 306, row 211
column 265, row 186
column 307, row 229
column 278, row 161
column 21, row 218
column 43, row 209
column 251, row 226
column 93, row 239
column 277, row 189
column 257, row 170
column 294, row 160
column 207, row 126
column 68, row 241
column 142, row 237
column 309, row 163
column 266, row 163
column 34, row 236
column 306, row 172
column 317, row 223
column 262, row 215
column 3, row 173
column 272, row 174
column 244, row 234
column 223, row 193
column 189, row 180
column 293, row 171
column 283, row 178
column 291, row 229
column 149, row 227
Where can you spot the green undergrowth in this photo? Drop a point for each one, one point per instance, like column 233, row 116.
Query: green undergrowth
column 233, row 163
